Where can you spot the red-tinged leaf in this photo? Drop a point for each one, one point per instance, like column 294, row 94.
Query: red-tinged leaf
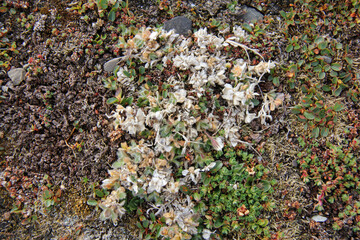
column 336, row 67
column 185, row 189
column 338, row 107
column 324, row 132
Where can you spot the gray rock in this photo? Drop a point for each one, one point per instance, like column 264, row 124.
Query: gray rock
column 17, row 75
column 249, row 14
column 181, row 25
column 319, row 218
column 110, row 66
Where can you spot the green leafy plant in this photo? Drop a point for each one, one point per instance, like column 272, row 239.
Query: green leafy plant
column 234, row 194
column 334, row 173
column 319, row 118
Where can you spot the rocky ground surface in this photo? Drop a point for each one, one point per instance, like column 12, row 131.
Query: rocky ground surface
column 54, row 132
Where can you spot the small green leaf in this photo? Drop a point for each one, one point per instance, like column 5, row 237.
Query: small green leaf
column 349, row 60
column 309, row 115
column 315, row 132
column 322, row 75
column 127, row 101
column 92, row 202
column 112, row 14
column 218, row 223
column 323, row 45
column 289, row 48
column 338, row 91
column 126, row 73
column 185, row 189
column 336, row 67
column 339, row 46
column 324, row 132
column 266, row 186
column 141, row 70
column 117, row 164
column 152, row 216
column 333, row 73
column 319, row 40
column 112, row 100
column 47, row 194
column 145, row 223
column 296, row 110
column 103, row 4
column 49, row 203
column 276, row 81
column 338, row 107
column 99, row 193
column 263, row 222
column 197, row 196
column 138, row 224
column 247, row 27
column 326, row 88
column 217, row 167
column 283, row 14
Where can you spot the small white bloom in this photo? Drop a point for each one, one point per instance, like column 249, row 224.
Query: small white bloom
column 228, row 92
column 173, row 187
column 249, row 117
column 240, row 34
column 180, row 95
column 239, row 69
column 157, row 182
column 193, row 174
column 188, row 104
column 153, row 35
column 262, row 67
column 206, row 234
column 209, row 167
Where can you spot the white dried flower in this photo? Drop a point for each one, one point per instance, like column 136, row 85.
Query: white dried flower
column 232, row 135
column 193, row 174
column 207, row 234
column 158, row 181
column 239, row 69
column 173, row 187
column 209, row 167
column 188, row 104
column 262, row 67
column 133, row 124
column 250, row 116
column 228, row 92
column 204, row 40
column 240, row 34
column 180, row 95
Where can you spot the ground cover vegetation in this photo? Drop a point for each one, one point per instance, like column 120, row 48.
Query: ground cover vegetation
column 239, row 130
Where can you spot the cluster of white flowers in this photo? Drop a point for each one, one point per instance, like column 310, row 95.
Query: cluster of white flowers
column 173, row 116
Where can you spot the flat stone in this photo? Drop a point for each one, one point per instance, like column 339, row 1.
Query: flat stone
column 17, row 75
column 110, row 66
column 181, row 25
column 249, row 14
column 319, row 218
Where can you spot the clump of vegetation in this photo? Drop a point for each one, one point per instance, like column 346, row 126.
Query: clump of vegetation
column 334, row 174
column 185, row 85
column 234, row 194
